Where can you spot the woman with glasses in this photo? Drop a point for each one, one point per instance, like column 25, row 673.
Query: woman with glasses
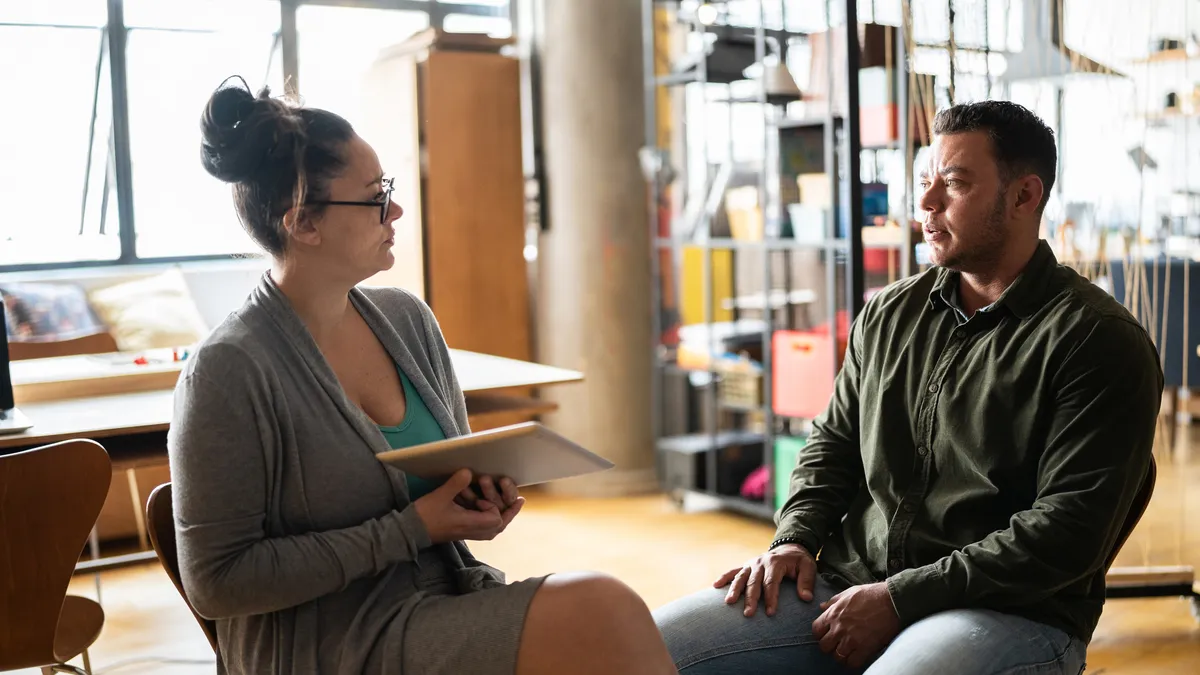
column 311, row 554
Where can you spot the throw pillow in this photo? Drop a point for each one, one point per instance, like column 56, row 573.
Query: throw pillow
column 150, row 313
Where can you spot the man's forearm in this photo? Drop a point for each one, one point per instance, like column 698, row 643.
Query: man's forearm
column 824, row 483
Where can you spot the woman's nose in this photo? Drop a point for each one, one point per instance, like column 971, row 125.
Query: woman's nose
column 394, row 212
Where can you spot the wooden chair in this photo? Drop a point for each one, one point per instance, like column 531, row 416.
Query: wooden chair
column 98, row 343
column 160, row 514
column 50, row 498
column 1140, row 582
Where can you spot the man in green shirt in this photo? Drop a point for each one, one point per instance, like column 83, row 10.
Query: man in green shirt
column 956, row 505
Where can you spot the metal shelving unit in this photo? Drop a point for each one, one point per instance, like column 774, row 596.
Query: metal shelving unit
column 702, row 432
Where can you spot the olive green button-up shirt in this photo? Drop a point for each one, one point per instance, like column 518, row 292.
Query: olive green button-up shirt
column 982, row 462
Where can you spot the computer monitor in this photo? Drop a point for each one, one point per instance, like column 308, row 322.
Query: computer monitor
column 11, row 419
column 6, row 392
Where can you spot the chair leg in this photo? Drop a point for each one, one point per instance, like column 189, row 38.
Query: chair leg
column 94, row 545
column 87, row 663
column 65, row 668
column 139, row 510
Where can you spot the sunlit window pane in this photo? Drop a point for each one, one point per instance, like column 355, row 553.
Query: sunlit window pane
column 247, row 16
column 180, row 210
column 491, row 3
column 59, row 111
column 337, row 46
column 805, row 15
column 92, row 13
column 495, row 26
column 930, row 22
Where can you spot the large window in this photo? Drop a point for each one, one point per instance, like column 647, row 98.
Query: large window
column 338, row 46
column 177, row 54
column 495, row 26
column 85, row 180
column 57, row 195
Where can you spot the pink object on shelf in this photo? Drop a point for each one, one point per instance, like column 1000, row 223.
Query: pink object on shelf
column 755, row 485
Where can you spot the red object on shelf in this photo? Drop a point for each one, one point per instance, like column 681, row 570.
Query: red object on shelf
column 875, row 260
column 843, row 329
column 803, row 368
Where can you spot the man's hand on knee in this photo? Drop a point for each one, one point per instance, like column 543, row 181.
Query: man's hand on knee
column 857, row 624
column 760, row 578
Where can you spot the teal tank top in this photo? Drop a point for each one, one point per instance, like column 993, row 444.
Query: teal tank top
column 418, row 426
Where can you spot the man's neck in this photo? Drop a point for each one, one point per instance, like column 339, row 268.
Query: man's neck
column 980, row 289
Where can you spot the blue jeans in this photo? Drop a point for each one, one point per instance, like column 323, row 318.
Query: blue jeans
column 708, row 637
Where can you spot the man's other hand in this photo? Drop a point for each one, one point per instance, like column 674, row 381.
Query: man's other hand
column 760, row 578
column 857, row 624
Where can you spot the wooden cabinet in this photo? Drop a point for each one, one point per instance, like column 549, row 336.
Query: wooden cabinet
column 444, row 114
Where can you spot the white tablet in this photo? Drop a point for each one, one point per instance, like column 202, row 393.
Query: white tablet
column 528, row 453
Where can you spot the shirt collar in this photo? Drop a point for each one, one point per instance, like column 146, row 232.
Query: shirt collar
column 1023, row 297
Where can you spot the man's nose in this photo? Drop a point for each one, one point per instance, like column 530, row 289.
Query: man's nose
column 929, row 200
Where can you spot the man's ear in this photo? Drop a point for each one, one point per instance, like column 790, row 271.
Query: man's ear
column 299, row 227
column 1030, row 191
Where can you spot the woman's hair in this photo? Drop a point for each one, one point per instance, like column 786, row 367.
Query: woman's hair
column 276, row 154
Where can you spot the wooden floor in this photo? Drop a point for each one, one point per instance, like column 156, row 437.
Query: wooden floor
column 663, row 554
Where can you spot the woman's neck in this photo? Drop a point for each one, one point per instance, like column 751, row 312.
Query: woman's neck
column 320, row 302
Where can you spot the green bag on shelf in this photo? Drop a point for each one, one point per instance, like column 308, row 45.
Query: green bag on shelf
column 787, row 451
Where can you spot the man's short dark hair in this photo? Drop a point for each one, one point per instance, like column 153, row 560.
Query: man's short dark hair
column 1021, row 141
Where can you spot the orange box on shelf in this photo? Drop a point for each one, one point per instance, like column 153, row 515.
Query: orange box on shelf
column 803, row 370
column 879, row 125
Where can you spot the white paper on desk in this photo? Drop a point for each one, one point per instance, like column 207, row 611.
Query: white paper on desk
column 528, row 453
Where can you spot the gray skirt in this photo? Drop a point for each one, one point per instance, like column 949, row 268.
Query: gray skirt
column 450, row 634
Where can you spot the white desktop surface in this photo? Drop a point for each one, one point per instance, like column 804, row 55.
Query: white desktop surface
column 148, row 411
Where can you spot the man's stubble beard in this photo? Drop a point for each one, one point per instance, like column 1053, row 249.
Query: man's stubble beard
column 988, row 248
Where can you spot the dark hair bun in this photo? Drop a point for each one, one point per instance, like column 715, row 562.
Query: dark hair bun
column 242, row 134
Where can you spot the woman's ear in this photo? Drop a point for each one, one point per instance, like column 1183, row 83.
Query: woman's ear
column 298, row 227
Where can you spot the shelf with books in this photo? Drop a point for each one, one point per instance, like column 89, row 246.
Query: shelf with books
column 734, row 279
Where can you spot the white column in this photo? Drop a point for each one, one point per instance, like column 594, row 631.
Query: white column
column 594, row 262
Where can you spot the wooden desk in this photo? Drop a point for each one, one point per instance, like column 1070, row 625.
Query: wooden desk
column 95, row 417
column 133, row 425
column 482, row 377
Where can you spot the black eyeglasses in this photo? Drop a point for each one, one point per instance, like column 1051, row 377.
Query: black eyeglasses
column 384, row 206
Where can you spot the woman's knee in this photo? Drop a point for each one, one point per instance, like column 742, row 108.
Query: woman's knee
column 590, row 623
column 594, row 613
column 602, row 595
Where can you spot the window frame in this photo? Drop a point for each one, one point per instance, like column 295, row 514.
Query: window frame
column 116, row 33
